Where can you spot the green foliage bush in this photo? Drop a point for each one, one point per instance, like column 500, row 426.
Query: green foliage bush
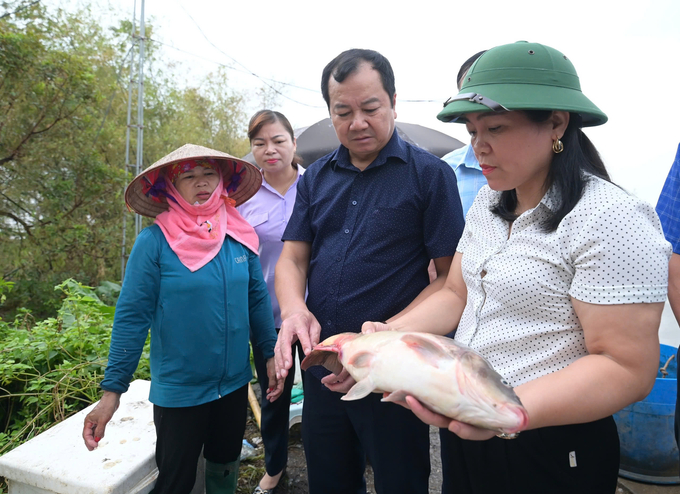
column 51, row 369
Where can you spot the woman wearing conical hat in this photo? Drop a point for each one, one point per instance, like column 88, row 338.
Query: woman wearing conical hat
column 193, row 278
column 559, row 280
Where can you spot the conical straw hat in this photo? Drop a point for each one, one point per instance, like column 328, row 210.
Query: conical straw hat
column 251, row 179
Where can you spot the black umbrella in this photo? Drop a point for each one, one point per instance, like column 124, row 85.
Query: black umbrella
column 319, row 139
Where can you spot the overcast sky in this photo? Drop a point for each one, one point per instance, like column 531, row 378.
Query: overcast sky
column 627, row 54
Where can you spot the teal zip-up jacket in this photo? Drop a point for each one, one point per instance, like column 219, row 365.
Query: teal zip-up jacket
column 200, row 322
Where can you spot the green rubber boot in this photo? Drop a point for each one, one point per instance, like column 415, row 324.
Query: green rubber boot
column 221, row 478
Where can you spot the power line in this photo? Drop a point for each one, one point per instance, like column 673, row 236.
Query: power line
column 246, row 68
column 231, row 67
column 263, row 79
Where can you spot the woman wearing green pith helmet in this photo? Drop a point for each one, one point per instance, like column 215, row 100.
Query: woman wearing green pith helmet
column 558, row 280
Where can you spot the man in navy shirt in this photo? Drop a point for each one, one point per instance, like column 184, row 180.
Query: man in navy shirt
column 367, row 220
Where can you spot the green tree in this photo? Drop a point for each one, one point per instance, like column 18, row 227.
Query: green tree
column 210, row 114
column 55, row 73
column 57, row 76
column 63, row 116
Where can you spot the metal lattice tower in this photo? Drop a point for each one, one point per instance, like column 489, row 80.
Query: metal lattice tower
column 138, row 40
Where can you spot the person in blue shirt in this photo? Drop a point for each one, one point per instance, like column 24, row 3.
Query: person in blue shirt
column 668, row 209
column 469, row 177
column 195, row 279
column 368, row 218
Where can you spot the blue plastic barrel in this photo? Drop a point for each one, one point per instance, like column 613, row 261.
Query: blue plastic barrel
column 649, row 452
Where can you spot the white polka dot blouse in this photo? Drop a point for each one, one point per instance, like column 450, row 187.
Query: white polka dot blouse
column 609, row 249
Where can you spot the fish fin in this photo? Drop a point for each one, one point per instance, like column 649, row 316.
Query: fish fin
column 361, row 359
column 327, row 358
column 455, row 349
column 426, row 349
column 360, row 390
column 398, row 396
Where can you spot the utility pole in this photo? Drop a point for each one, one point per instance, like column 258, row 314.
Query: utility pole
column 138, row 40
column 140, row 109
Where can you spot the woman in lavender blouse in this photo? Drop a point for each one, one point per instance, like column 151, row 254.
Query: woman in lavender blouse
column 273, row 147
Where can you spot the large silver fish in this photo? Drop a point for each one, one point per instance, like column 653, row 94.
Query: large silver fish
column 447, row 377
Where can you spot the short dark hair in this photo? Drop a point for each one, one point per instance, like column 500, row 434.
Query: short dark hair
column 568, row 172
column 466, row 66
column 347, row 63
column 265, row 117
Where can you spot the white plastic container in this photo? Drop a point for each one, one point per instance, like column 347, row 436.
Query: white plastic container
column 295, row 411
column 295, row 414
column 57, row 460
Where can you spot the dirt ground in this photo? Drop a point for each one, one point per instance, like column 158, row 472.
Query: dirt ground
column 252, row 469
column 295, row 479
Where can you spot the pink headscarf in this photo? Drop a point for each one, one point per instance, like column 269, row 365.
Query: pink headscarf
column 196, row 232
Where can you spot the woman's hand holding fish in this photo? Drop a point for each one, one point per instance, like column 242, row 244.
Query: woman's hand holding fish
column 374, row 326
column 275, row 384
column 300, row 325
column 461, row 429
column 340, row 383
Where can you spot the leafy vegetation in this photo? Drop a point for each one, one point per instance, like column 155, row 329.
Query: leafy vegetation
column 63, row 123
column 51, row 369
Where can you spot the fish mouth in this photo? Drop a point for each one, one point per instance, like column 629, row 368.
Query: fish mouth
column 500, row 413
column 329, row 353
column 336, row 341
column 330, row 343
column 519, row 418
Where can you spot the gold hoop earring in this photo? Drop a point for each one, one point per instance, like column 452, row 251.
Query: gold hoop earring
column 558, row 147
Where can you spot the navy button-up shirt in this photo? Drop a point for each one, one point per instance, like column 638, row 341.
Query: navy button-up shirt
column 373, row 233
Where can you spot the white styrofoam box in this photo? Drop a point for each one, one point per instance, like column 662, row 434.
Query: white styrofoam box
column 298, row 372
column 295, row 411
column 57, row 460
column 295, row 414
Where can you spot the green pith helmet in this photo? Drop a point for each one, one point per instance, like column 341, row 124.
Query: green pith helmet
column 522, row 76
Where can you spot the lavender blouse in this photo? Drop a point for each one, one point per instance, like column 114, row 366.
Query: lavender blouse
column 268, row 212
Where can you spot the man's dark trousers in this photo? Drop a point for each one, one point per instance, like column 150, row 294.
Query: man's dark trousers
column 395, row 442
